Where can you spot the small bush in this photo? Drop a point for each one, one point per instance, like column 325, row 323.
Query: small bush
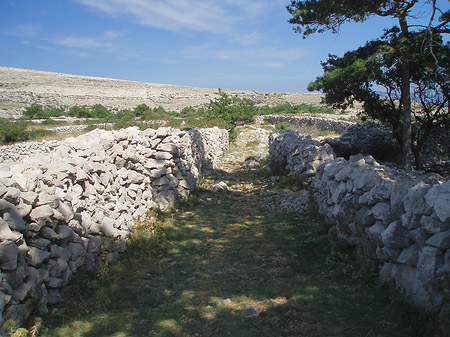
column 123, row 119
column 11, row 132
column 188, row 110
column 99, row 111
column 231, row 109
column 141, row 110
column 80, row 112
column 282, row 126
column 33, row 111
column 54, row 112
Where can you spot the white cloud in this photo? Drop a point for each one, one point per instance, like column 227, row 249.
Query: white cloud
column 199, row 15
column 106, row 40
column 28, row 30
column 264, row 56
column 247, row 39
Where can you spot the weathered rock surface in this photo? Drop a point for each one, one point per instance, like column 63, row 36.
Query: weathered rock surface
column 58, row 208
column 367, row 138
column 21, row 87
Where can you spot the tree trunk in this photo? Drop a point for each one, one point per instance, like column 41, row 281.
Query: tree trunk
column 406, row 99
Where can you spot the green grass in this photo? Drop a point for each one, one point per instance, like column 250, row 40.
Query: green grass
column 191, row 271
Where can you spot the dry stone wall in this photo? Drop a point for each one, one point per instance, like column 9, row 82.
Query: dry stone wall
column 324, row 124
column 57, row 207
column 400, row 219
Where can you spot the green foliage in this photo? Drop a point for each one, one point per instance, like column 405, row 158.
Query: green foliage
column 141, row 110
column 36, row 111
column 33, row 111
column 99, row 111
column 123, row 119
column 231, row 109
column 149, row 235
column 54, row 112
column 282, row 126
column 80, row 112
column 18, row 131
column 318, row 16
column 359, row 74
column 11, row 132
column 188, row 110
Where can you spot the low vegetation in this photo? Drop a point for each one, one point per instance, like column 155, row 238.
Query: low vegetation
column 19, row 131
column 224, row 111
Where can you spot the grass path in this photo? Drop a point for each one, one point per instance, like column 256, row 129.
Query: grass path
column 224, row 265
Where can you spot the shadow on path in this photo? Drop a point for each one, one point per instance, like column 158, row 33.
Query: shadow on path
column 230, row 267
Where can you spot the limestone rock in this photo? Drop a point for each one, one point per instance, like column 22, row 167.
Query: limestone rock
column 395, row 236
column 6, row 234
column 440, row 240
column 37, row 256
column 430, row 259
column 12, row 216
column 8, row 255
column 220, row 187
column 439, row 198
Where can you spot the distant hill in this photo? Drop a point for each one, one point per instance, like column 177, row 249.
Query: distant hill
column 20, row 88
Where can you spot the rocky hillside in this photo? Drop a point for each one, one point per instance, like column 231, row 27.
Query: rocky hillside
column 20, row 88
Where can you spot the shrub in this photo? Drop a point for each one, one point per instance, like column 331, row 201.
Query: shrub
column 17, row 131
column 123, row 119
column 99, row 111
column 11, row 132
column 282, row 126
column 188, row 110
column 141, row 110
column 33, row 111
column 80, row 112
column 231, row 109
column 54, row 112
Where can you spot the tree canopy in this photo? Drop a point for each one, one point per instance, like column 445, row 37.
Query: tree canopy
column 372, row 64
column 371, row 75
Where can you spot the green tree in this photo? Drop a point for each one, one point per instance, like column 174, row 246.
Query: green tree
column 360, row 74
column 231, row 108
column 318, row 16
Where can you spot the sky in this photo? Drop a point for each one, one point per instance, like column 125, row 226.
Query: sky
column 229, row 44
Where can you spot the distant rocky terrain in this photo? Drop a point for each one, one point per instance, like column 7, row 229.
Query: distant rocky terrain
column 20, row 88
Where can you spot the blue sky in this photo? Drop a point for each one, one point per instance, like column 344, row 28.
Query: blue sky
column 233, row 44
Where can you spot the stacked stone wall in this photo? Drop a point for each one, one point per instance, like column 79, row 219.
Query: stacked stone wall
column 400, row 219
column 59, row 206
column 324, row 124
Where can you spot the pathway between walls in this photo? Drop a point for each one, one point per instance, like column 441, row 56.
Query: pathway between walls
column 235, row 262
